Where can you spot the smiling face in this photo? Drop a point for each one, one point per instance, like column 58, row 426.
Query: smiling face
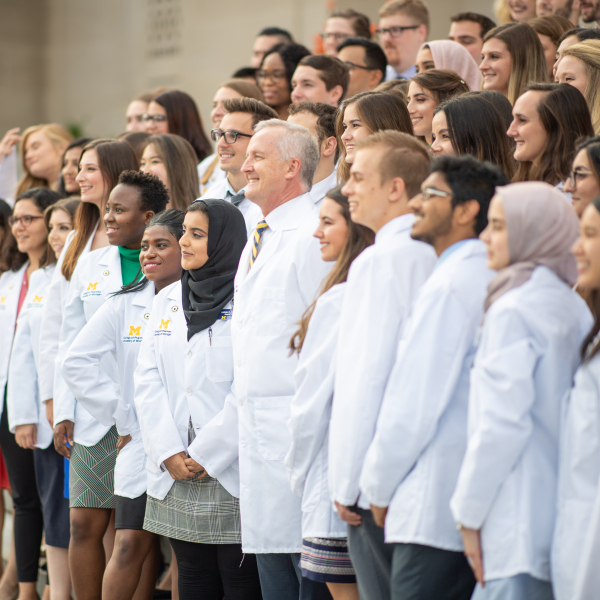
column 495, row 236
column 441, row 143
column 70, row 169
column 521, row 10
column 160, row 256
column 31, row 239
column 495, row 66
column 401, row 51
column 277, row 93
column 424, row 60
column 332, row 231
column 467, row 34
column 125, row 219
column 152, row 163
column 590, row 10
column 571, row 70
column 42, row 158
column 194, row 241
column 61, row 225
column 134, row 114
column 361, row 80
column 527, row 129
column 354, row 130
column 587, row 250
column 155, row 127
column 91, row 183
column 421, row 105
column 233, row 156
column 586, row 186
column 218, row 111
column 309, row 87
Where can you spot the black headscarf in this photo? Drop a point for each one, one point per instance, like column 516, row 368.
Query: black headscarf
column 207, row 290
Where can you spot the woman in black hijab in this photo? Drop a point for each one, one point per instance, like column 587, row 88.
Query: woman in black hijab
column 184, row 375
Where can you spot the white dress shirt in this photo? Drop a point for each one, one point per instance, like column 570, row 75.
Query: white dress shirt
column 270, row 299
column 524, row 366
column 319, row 190
column 382, row 284
column 310, row 412
column 217, row 175
column 413, row 462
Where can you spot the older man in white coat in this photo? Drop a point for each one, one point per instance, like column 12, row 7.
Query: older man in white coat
column 413, row 462
column 278, row 277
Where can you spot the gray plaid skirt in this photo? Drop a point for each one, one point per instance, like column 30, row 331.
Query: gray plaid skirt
column 201, row 511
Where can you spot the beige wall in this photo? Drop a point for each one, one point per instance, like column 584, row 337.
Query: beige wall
column 81, row 61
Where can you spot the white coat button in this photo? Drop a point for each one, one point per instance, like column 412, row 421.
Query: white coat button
column 147, row 316
column 188, row 392
column 105, row 273
column 174, row 308
column 11, row 286
column 189, row 355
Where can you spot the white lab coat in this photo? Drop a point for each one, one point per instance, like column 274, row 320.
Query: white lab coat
column 177, row 379
column 382, row 284
column 413, row 462
column 524, row 366
column 578, row 476
column 10, row 290
column 96, row 275
column 217, row 175
column 310, row 412
column 52, row 317
column 270, row 299
column 23, row 397
column 319, row 190
column 117, row 329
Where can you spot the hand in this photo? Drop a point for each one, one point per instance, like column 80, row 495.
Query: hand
column 472, row 542
column 195, row 468
column 11, row 138
column 122, row 442
column 63, row 433
column 26, row 436
column 50, row 412
column 176, row 466
column 347, row 515
column 379, row 514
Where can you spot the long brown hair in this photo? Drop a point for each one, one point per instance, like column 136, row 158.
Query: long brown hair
column 179, row 159
column 565, row 116
column 114, row 157
column 442, row 83
column 68, row 205
column 377, row 111
column 359, row 237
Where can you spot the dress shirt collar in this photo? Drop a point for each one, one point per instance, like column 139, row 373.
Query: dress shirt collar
column 288, row 214
column 400, row 224
column 319, row 189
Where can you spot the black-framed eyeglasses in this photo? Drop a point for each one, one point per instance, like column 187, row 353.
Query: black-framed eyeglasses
column 575, row 176
column 337, row 36
column 230, row 136
column 156, row 118
column 352, row 66
column 396, row 31
column 429, row 193
column 25, row 219
column 274, row 76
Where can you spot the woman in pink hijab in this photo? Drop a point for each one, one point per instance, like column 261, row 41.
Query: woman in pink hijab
column 504, row 502
column 445, row 54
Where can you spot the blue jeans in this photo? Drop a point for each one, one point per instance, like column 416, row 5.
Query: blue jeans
column 281, row 579
column 519, row 587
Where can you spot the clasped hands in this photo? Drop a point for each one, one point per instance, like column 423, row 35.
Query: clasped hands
column 182, row 467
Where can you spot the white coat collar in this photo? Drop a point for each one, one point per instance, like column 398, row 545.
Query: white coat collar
column 144, row 296
column 469, row 247
column 320, row 189
column 397, row 225
column 174, row 291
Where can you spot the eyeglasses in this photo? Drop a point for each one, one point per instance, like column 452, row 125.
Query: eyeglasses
column 395, row 32
column 274, row 76
column 574, row 176
column 25, row 219
column 155, row 118
column 230, row 136
column 336, row 36
column 429, row 193
column 351, row 66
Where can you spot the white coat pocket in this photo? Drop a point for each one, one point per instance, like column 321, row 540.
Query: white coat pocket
column 273, row 436
column 270, row 310
column 219, row 360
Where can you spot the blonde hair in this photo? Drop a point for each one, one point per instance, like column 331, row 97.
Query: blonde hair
column 59, row 137
column 502, row 12
column 589, row 53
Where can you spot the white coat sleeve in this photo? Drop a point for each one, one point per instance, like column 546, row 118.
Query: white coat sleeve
column 22, row 390
column 310, row 409
column 503, row 382
column 73, row 322
column 216, row 445
column 159, row 430
column 93, row 388
column 435, row 350
column 8, row 177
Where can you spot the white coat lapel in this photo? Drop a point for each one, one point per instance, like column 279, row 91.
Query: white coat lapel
column 110, row 271
column 264, row 255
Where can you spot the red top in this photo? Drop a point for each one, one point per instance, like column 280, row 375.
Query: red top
column 23, row 293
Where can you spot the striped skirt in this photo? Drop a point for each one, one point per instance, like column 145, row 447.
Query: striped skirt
column 327, row 560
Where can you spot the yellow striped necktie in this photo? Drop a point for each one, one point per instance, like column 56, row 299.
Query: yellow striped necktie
column 258, row 232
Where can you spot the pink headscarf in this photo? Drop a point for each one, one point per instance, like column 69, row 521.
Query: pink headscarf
column 451, row 55
column 542, row 228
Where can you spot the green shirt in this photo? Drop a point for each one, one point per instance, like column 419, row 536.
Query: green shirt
column 130, row 264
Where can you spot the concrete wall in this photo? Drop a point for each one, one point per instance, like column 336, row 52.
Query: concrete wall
column 81, row 61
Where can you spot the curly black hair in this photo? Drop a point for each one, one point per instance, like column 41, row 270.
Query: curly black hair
column 154, row 195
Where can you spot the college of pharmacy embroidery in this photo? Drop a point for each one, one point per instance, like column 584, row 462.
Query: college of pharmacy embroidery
column 225, row 314
column 134, row 335
column 91, row 290
column 163, row 328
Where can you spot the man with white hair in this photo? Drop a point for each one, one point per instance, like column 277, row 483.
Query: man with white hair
column 278, row 277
